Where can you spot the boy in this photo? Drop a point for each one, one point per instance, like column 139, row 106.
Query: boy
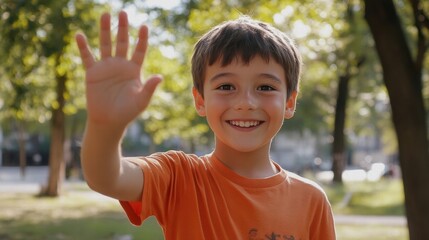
column 245, row 77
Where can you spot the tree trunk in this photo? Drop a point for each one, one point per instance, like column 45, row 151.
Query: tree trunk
column 22, row 142
column 403, row 83
column 338, row 146
column 56, row 156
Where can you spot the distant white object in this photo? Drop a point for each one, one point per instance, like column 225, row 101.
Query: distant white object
column 354, row 175
column 376, row 171
column 374, row 174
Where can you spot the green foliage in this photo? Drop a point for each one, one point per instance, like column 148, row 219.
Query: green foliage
column 40, row 38
column 171, row 112
column 35, row 31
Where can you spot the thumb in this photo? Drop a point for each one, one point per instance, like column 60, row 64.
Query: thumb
column 148, row 90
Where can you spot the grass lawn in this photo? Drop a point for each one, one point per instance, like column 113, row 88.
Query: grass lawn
column 77, row 214
column 382, row 198
column 385, row 197
column 373, row 232
column 82, row 214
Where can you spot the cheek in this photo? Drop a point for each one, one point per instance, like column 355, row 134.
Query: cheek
column 275, row 107
column 275, row 102
column 216, row 106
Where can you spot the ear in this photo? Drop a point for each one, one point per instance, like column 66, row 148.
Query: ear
column 199, row 102
column 290, row 105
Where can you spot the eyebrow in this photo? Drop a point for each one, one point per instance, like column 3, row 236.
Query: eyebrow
column 220, row 75
column 270, row 76
column 265, row 75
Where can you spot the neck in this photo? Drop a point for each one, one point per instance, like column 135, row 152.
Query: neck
column 252, row 164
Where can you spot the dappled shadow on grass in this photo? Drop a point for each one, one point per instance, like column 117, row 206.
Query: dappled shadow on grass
column 34, row 209
column 71, row 216
column 384, row 197
column 373, row 232
column 359, row 203
column 103, row 225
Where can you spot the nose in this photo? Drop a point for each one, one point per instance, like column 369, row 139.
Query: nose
column 246, row 100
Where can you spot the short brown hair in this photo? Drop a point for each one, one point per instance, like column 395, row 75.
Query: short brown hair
column 244, row 39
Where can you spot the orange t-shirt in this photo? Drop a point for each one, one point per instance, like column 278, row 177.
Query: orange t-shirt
column 197, row 198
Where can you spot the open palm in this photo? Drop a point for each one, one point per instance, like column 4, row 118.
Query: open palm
column 115, row 93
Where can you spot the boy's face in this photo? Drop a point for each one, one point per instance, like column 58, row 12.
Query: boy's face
column 245, row 105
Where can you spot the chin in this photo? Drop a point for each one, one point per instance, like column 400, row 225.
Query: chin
column 248, row 149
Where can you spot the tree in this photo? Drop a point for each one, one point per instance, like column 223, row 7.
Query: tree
column 403, row 80
column 350, row 58
column 65, row 19
column 19, row 65
column 44, row 29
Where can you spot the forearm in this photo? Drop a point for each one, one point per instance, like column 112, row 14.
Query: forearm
column 100, row 156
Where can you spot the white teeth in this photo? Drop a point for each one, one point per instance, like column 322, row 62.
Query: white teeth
column 245, row 124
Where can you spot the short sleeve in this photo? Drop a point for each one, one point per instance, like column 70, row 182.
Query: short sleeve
column 162, row 181
column 322, row 225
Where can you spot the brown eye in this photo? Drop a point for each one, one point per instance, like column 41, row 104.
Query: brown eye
column 225, row 87
column 266, row 88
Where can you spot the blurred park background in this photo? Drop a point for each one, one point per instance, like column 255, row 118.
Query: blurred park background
column 360, row 128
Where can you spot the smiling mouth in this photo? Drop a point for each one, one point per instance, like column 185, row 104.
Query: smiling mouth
column 245, row 124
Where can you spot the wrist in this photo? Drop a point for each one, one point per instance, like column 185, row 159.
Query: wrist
column 105, row 132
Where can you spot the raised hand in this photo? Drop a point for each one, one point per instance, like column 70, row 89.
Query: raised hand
column 115, row 93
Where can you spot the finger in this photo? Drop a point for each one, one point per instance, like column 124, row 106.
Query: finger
column 148, row 90
column 122, row 38
column 105, row 36
column 85, row 53
column 140, row 50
